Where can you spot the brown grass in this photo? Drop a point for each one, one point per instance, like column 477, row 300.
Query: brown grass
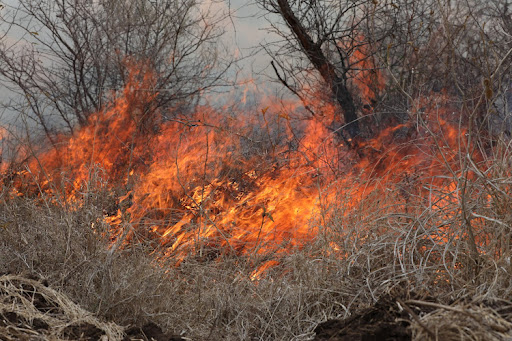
column 464, row 321
column 30, row 310
column 383, row 247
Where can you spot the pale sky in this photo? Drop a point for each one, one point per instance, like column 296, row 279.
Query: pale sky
column 249, row 28
column 245, row 27
column 245, row 31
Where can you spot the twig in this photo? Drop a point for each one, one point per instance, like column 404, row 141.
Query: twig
column 416, row 318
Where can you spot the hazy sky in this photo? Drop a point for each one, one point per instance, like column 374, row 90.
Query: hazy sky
column 245, row 31
column 245, row 26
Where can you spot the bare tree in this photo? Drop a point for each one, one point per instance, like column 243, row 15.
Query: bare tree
column 420, row 46
column 63, row 57
column 328, row 34
column 460, row 47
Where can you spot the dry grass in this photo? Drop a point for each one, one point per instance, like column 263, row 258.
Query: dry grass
column 69, row 249
column 391, row 244
column 30, row 310
column 464, row 321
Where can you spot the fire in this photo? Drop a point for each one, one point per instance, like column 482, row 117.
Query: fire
column 222, row 182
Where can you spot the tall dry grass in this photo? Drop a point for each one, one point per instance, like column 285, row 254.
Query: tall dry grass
column 394, row 242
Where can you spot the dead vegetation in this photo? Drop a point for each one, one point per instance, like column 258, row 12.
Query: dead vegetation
column 142, row 220
column 404, row 270
column 475, row 320
column 31, row 310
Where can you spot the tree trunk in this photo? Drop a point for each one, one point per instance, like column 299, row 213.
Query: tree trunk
column 327, row 70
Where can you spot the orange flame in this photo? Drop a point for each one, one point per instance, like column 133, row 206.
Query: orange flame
column 252, row 183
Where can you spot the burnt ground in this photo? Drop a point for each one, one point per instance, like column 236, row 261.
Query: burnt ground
column 150, row 332
column 385, row 320
column 399, row 319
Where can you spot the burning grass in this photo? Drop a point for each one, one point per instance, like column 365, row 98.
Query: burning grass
column 243, row 225
column 334, row 276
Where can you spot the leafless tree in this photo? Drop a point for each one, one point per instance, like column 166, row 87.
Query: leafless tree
column 63, row 57
column 419, row 46
column 323, row 36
